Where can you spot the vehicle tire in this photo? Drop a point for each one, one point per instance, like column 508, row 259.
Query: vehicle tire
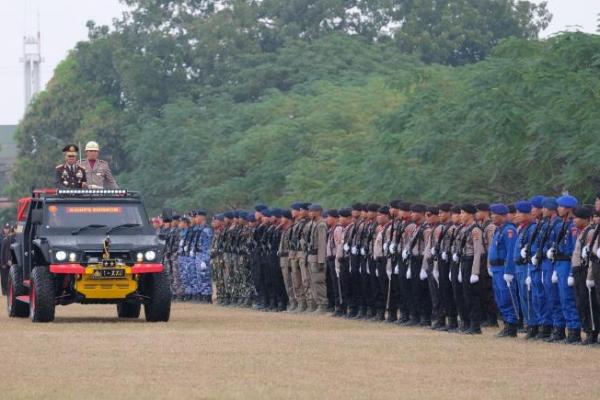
column 158, row 288
column 16, row 308
column 41, row 296
column 129, row 310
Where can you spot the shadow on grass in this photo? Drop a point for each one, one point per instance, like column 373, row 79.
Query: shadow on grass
column 99, row 320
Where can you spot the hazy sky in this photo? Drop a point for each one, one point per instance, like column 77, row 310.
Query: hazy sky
column 62, row 24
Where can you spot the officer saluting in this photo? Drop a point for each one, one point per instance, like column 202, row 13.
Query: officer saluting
column 97, row 171
column 69, row 175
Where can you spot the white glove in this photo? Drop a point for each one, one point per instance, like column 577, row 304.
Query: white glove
column 455, row 257
column 408, row 273
column 354, row 250
column 346, row 247
column 368, row 269
column 337, row 271
column 444, row 256
column 423, row 275
column 590, row 284
column 404, row 254
column 534, row 260
column 508, row 278
column 392, row 248
column 436, row 275
column 523, row 253
column 550, row 253
column 185, row 249
column 585, row 252
column 203, row 266
column 528, row 282
column 192, row 253
column 554, row 277
column 377, row 272
column 363, row 252
column 490, row 272
column 386, row 246
column 459, row 276
column 598, row 252
column 397, row 269
column 388, row 271
column 433, row 251
column 474, row 279
column 450, row 276
column 571, row 281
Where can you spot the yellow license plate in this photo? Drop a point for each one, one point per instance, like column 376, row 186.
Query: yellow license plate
column 109, row 273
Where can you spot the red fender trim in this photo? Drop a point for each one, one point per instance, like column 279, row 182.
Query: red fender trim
column 67, row 269
column 147, row 268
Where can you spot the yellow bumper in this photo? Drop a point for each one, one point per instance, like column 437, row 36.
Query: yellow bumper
column 115, row 288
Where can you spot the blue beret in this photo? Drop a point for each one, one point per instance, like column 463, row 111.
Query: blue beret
column 567, row 201
column 250, row 217
column 315, row 207
column 550, row 203
column 305, row 206
column 537, row 201
column 296, row 206
column 220, row 217
column 324, row 214
column 523, row 207
column 277, row 212
column 266, row 213
column 500, row 209
column 260, row 207
column 201, row 211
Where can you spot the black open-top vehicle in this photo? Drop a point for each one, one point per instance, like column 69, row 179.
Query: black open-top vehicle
column 89, row 247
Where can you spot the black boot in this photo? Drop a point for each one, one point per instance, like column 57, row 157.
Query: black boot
column 574, row 336
column 439, row 325
column 532, row 332
column 425, row 322
column 464, row 326
column 392, row 316
column 557, row 335
column 380, row 316
column 510, row 330
column 362, row 313
column 474, row 329
column 590, row 338
column 352, row 313
column 452, row 325
column 404, row 318
column 371, row 314
column 544, row 332
column 412, row 322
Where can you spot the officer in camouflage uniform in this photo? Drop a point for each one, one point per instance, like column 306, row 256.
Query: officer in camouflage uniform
column 216, row 256
column 174, row 239
column 202, row 250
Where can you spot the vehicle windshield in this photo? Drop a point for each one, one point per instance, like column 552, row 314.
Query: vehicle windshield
column 106, row 215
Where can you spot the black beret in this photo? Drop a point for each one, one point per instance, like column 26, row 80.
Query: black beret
column 357, row 207
column 287, row 214
column 345, row 212
column 512, row 209
column 445, row 207
column 395, row 203
column 404, row 206
column 418, row 208
column 365, row 207
column 455, row 209
column 433, row 210
column 468, row 208
column 582, row 212
column 373, row 207
column 186, row 219
column 332, row 212
column 305, row 206
column 277, row 212
column 482, row 206
column 201, row 212
column 260, row 207
column 176, row 217
column 384, row 210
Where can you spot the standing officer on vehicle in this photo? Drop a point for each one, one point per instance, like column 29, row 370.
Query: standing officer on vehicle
column 69, row 175
column 97, row 171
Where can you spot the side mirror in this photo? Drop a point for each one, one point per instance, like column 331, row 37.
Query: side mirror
column 37, row 216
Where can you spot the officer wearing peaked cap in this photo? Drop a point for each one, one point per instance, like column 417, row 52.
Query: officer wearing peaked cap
column 69, row 175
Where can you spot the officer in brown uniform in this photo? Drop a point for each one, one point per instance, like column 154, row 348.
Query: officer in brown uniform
column 97, row 171
column 488, row 304
column 284, row 259
column 429, row 271
column 317, row 257
column 69, row 175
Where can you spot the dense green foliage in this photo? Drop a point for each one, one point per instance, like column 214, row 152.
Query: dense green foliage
column 282, row 100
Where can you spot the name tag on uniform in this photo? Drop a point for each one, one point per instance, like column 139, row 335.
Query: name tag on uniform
column 99, row 173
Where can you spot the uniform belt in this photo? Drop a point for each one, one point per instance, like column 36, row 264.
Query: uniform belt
column 497, row 263
column 284, row 254
column 562, row 258
column 312, row 252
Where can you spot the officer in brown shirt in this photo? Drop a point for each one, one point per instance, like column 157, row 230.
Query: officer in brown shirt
column 488, row 304
column 317, row 257
column 99, row 175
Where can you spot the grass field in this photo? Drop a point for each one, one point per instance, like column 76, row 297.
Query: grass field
column 213, row 352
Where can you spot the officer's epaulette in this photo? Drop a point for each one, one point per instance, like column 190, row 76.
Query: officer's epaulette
column 59, row 166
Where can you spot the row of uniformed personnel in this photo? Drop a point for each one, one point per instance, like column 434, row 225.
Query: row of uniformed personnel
column 448, row 267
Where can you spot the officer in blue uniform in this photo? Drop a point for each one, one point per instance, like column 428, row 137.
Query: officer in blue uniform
column 565, row 238
column 502, row 265
column 202, row 256
column 526, row 229
column 551, row 313
column 185, row 235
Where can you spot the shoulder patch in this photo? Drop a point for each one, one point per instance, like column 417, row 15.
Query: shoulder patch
column 58, row 166
column 510, row 233
column 476, row 234
column 574, row 231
